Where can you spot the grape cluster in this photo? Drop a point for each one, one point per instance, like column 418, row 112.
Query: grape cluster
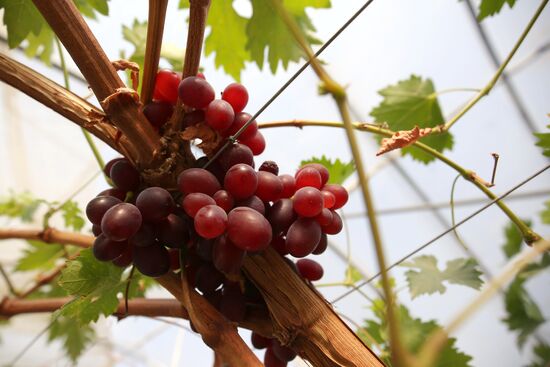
column 224, row 115
column 218, row 214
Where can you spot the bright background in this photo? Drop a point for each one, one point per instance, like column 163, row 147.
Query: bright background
column 42, row 153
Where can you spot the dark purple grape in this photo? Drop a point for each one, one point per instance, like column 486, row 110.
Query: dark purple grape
column 269, row 166
column 309, row 269
column 121, row 222
column 303, row 236
column 145, row 236
column 97, row 207
column 109, row 165
column 226, row 257
column 260, row 342
column 172, row 232
column 195, row 92
column 253, row 202
column 248, row 229
column 198, row 180
column 232, row 304
column 282, row 352
column 126, row 258
column 174, row 259
column 325, row 217
column 96, row 230
column 105, row 249
column 152, row 261
column 114, row 192
column 193, row 118
column 125, row 176
column 271, row 360
column 214, row 298
column 158, row 113
column 281, row 215
column 155, row 203
column 335, row 225
column 322, row 245
column 235, row 154
column 208, row 278
column 204, row 248
column 279, row 244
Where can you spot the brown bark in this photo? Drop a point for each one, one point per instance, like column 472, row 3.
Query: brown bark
column 302, row 319
column 155, row 29
column 120, row 106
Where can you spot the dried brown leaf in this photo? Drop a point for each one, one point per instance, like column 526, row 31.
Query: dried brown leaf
column 402, row 139
column 122, row 65
column 210, row 139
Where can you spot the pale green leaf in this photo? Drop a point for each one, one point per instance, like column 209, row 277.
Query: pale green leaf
column 463, row 272
column 545, row 214
column 514, row 239
column 41, row 45
column 21, row 18
column 489, row 8
column 544, row 142
column 227, row 38
column 352, row 275
column 75, row 337
column 338, row 170
column 72, row 215
column 39, row 255
column 542, row 355
column 409, row 103
column 22, row 206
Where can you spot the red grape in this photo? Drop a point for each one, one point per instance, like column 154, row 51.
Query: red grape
column 279, row 244
column 227, row 257
column 328, row 199
column 289, row 185
column 97, row 207
column 238, row 122
column 237, row 96
column 195, row 92
column 269, row 166
column 193, row 118
column 114, row 192
column 105, row 249
column 335, row 225
column 325, row 217
column 323, row 171
column 219, row 114
column 255, row 143
column 248, row 229
column 308, row 202
column 259, row 342
column 224, row 200
column 172, row 231
column 121, row 222
column 235, row 154
column 158, row 113
column 166, row 86
column 269, row 186
column 109, row 165
column 322, row 245
column 193, row 202
column 155, row 203
column 210, row 221
column 198, row 180
column 281, row 215
column 241, row 181
column 309, row 269
column 232, row 304
column 340, row 195
column 253, row 202
column 125, row 176
column 308, row 176
column 271, row 360
column 303, row 236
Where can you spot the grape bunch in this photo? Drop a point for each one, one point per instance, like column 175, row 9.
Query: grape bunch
column 218, row 214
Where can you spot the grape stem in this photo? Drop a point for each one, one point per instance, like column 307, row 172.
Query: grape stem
column 329, row 86
column 529, row 236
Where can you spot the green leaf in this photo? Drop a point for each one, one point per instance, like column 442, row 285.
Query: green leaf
column 514, row 239
column 96, row 286
column 227, row 38
column 22, row 205
column 72, row 215
column 414, row 334
column 266, row 30
column 39, row 255
column 352, row 275
column 545, row 214
column 544, row 142
column 489, row 8
column 75, row 337
column 542, row 355
column 428, row 279
column 41, row 45
column 523, row 314
column 338, row 170
column 409, row 103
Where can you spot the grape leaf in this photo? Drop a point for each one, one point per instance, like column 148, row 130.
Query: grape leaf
column 95, row 285
column 266, row 30
column 227, row 38
column 72, row 215
column 75, row 337
column 414, row 333
column 514, row 239
column 22, row 205
column 409, row 103
column 545, row 214
column 429, row 279
column 39, row 255
column 352, row 275
column 542, row 355
column 523, row 314
column 338, row 170
column 544, row 142
column 489, row 8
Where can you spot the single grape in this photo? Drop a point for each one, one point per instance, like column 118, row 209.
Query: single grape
column 152, row 261
column 114, row 192
column 269, row 166
column 323, row 171
column 193, row 118
column 255, row 143
column 253, row 202
column 227, row 257
column 340, row 195
column 248, row 229
column 172, row 231
column 121, row 222
column 241, row 181
column 224, row 200
column 335, row 225
column 238, row 122
column 271, row 360
column 208, row 278
column 260, row 342
column 308, row 202
column 289, row 185
column 282, row 352
column 269, row 186
column 126, row 258
column 155, row 203
column 109, row 165
column 219, row 114
column 309, row 269
column 174, row 259
column 145, row 236
column 158, row 113
column 281, row 215
column 97, row 207
column 237, row 96
column 214, row 167
column 198, row 180
column 204, row 248
column 96, row 229
column 195, row 92
column 279, row 244
column 308, row 176
column 193, row 202
column 210, row 221
column 322, row 245
column 166, row 86
column 105, row 249
column 125, row 176
column 303, row 236
column 235, row 154
column 328, row 199
column 325, row 217
column 232, row 304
